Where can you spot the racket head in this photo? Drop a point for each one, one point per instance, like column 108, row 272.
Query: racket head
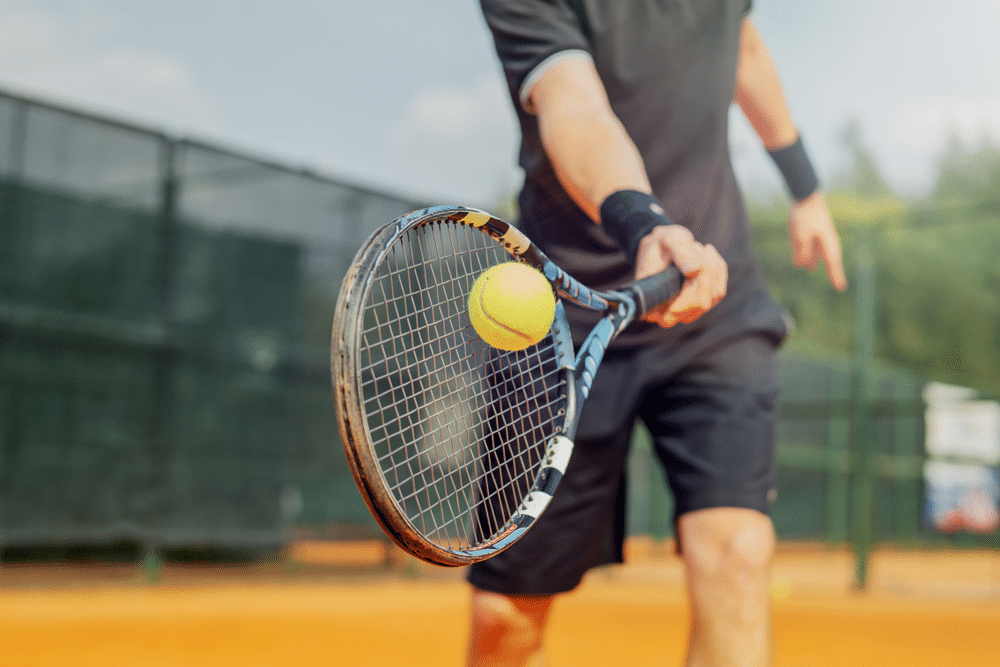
column 455, row 446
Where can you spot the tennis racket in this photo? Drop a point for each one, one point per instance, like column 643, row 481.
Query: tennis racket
column 456, row 446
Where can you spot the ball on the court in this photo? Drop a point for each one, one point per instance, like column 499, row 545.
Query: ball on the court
column 781, row 588
column 512, row 306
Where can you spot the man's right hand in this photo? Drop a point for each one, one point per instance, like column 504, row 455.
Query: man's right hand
column 705, row 272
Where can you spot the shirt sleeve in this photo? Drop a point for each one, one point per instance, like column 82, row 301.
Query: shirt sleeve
column 531, row 36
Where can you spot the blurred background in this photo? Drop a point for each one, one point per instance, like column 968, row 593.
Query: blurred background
column 183, row 184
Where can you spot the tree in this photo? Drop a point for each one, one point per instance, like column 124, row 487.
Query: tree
column 969, row 175
column 938, row 310
column 860, row 193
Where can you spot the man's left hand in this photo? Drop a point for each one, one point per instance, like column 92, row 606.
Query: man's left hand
column 814, row 238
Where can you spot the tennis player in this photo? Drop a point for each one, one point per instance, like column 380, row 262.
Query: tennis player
column 624, row 107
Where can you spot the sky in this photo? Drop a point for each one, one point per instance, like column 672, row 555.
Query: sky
column 407, row 95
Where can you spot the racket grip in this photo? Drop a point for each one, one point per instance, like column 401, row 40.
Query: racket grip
column 658, row 288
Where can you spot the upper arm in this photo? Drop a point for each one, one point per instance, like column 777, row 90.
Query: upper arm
column 751, row 50
column 570, row 86
column 532, row 37
column 759, row 92
column 547, row 60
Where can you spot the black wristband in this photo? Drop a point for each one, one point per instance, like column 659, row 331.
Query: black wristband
column 628, row 215
column 794, row 165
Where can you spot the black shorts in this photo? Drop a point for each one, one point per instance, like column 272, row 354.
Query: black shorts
column 713, row 424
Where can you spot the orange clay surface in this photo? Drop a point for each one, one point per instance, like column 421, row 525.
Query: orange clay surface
column 928, row 608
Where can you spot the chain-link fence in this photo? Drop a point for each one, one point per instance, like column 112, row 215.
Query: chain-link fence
column 165, row 312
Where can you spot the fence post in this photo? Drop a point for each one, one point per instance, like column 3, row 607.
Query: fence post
column 838, row 460
column 865, row 308
column 160, row 427
column 152, row 563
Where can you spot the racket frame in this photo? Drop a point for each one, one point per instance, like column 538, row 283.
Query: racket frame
column 618, row 307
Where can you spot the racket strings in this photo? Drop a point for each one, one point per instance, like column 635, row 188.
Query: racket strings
column 519, row 440
column 518, row 404
column 436, row 318
column 446, row 430
column 457, row 429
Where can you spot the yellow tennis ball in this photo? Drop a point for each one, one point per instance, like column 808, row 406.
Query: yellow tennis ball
column 512, row 306
column 781, row 588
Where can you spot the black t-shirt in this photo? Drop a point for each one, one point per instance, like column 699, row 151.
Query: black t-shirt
column 669, row 68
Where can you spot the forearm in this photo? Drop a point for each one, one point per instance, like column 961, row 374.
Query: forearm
column 602, row 170
column 759, row 93
column 589, row 148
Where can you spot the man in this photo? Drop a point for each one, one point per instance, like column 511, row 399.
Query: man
column 623, row 107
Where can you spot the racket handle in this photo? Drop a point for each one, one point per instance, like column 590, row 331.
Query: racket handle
column 653, row 290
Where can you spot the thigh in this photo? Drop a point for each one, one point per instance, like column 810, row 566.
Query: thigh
column 714, row 427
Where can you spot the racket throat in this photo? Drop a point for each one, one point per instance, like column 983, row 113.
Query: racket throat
column 591, row 352
column 557, row 457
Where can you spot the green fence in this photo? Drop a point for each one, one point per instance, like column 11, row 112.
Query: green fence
column 164, row 336
column 164, row 357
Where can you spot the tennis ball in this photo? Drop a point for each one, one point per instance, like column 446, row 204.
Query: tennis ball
column 781, row 588
column 512, row 306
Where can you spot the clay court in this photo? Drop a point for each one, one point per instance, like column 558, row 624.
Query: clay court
column 923, row 608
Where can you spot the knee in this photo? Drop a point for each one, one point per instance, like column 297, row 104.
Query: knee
column 732, row 549
column 506, row 630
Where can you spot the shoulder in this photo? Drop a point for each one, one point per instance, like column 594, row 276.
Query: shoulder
column 533, row 35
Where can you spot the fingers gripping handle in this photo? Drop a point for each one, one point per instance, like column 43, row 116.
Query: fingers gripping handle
column 658, row 288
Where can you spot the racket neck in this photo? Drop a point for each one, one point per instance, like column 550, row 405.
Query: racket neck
column 591, row 352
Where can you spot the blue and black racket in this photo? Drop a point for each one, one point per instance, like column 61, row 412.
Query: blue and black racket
column 456, row 446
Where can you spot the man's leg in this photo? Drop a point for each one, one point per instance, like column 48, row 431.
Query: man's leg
column 713, row 427
column 727, row 555
column 507, row 631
